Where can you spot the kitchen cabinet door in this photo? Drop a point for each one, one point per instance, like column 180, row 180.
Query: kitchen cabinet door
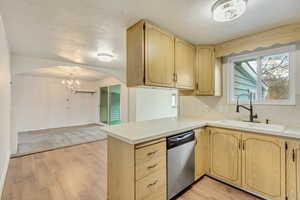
column 184, row 64
column 205, row 71
column 264, row 165
column 202, row 157
column 293, row 170
column 159, row 57
column 225, row 150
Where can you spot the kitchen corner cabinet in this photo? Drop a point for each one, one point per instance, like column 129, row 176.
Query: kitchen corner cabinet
column 202, row 157
column 156, row 58
column 264, row 165
column 293, row 170
column 226, row 155
column 208, row 73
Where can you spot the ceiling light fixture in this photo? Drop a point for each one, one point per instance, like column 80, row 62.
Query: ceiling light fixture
column 71, row 83
column 105, row 57
column 228, row 10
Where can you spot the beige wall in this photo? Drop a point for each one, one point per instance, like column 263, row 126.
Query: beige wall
column 218, row 108
column 43, row 102
column 5, row 93
column 151, row 103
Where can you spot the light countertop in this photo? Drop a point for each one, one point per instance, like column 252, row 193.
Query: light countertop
column 138, row 132
column 143, row 131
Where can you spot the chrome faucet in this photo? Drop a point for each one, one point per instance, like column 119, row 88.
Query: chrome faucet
column 250, row 109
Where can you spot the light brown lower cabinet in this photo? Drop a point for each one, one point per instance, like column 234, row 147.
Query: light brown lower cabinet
column 254, row 162
column 137, row 172
column 226, row 155
column 266, row 165
column 202, row 157
column 293, row 170
column 263, row 165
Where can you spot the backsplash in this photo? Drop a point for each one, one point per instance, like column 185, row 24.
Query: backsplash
column 216, row 108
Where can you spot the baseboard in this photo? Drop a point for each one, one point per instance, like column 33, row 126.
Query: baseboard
column 3, row 175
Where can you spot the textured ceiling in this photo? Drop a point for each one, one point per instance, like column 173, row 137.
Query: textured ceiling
column 76, row 30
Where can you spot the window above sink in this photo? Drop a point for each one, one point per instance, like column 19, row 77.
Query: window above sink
column 268, row 75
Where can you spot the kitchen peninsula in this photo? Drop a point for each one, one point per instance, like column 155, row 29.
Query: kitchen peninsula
column 225, row 150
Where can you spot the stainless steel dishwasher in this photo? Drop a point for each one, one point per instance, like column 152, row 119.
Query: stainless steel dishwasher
column 181, row 162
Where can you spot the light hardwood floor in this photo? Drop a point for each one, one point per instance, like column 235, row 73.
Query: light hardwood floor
column 73, row 173
column 79, row 173
column 210, row 189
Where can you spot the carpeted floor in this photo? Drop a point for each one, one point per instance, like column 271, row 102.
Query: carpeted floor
column 44, row 140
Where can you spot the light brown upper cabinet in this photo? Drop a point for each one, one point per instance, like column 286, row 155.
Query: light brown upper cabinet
column 159, row 57
column 156, row 58
column 264, row 165
column 150, row 56
column 185, row 54
column 225, row 148
column 208, row 72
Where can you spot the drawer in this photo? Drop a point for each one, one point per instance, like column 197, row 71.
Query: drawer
column 152, row 187
column 147, row 153
column 151, row 166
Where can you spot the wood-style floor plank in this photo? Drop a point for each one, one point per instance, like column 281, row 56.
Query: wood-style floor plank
column 210, row 189
column 79, row 173
column 73, row 173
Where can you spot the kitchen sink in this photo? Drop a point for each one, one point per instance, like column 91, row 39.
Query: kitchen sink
column 253, row 125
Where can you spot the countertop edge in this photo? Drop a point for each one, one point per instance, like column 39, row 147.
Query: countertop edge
column 286, row 133
column 158, row 136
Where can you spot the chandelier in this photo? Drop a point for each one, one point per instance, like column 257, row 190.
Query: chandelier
column 71, row 83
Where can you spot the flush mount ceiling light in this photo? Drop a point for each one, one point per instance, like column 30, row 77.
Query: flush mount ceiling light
column 105, row 57
column 228, row 10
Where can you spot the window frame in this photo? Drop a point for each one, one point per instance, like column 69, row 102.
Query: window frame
column 291, row 50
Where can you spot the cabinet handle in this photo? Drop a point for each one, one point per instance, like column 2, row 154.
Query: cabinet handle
column 240, row 142
column 293, row 155
column 174, row 77
column 151, row 153
column 152, row 184
column 244, row 145
column 152, row 166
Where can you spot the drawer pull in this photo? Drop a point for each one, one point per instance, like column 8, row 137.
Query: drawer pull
column 152, row 166
column 151, row 153
column 152, row 184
